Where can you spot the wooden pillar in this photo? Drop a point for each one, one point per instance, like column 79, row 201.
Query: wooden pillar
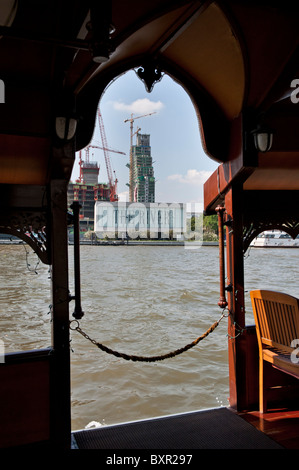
column 235, row 278
column 60, row 371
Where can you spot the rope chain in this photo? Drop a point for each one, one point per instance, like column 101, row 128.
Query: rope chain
column 134, row 358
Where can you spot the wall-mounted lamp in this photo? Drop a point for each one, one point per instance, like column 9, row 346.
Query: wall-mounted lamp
column 263, row 138
column 101, row 45
column 100, row 53
column 65, row 127
column 101, row 28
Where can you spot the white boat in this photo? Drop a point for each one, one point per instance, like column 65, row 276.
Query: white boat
column 275, row 239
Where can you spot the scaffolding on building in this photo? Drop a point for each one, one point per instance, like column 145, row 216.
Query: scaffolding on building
column 131, row 185
column 143, row 179
column 87, row 189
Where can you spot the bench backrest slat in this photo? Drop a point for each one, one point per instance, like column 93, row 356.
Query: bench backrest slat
column 276, row 317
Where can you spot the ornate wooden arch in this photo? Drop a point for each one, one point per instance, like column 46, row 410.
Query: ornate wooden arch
column 269, row 210
column 212, row 123
column 29, row 227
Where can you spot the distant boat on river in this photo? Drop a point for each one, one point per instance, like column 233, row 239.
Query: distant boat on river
column 275, row 239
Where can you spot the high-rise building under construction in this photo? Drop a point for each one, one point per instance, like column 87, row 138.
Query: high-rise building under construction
column 86, row 190
column 143, row 171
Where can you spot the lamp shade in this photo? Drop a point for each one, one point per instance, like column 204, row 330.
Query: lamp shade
column 65, row 128
column 263, row 139
column 100, row 53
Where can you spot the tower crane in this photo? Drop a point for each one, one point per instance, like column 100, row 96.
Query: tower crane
column 131, row 121
column 112, row 182
column 109, row 149
column 81, row 162
column 80, row 179
column 92, row 146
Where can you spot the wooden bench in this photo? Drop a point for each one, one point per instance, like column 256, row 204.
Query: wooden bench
column 277, row 326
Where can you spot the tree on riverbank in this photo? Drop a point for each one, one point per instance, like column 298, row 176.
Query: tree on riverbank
column 210, row 228
column 208, row 224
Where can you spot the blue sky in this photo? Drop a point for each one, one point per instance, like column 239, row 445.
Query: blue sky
column 180, row 164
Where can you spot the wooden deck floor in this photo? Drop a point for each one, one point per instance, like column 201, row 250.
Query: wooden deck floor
column 279, row 424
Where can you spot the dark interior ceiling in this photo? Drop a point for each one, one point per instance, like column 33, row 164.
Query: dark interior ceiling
column 234, row 58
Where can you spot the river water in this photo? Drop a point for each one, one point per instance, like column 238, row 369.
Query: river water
column 139, row 300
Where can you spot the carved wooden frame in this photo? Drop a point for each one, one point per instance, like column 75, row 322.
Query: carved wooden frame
column 31, row 227
column 265, row 210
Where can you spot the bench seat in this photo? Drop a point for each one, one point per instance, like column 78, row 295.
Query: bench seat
column 282, row 361
column 277, row 326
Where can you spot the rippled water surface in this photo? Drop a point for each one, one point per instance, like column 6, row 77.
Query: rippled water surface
column 144, row 301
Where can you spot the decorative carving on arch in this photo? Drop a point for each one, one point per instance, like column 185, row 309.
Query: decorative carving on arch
column 150, row 73
column 251, row 232
column 269, row 210
column 30, row 227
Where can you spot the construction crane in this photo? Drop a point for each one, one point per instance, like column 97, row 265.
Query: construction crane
column 80, row 179
column 106, row 150
column 109, row 149
column 92, row 146
column 131, row 121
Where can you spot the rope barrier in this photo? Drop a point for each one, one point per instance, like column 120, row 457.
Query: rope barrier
column 134, row 358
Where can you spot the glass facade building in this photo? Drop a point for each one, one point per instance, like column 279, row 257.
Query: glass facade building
column 143, row 171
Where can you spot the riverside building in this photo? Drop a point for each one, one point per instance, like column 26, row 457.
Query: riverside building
column 87, row 191
column 140, row 220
